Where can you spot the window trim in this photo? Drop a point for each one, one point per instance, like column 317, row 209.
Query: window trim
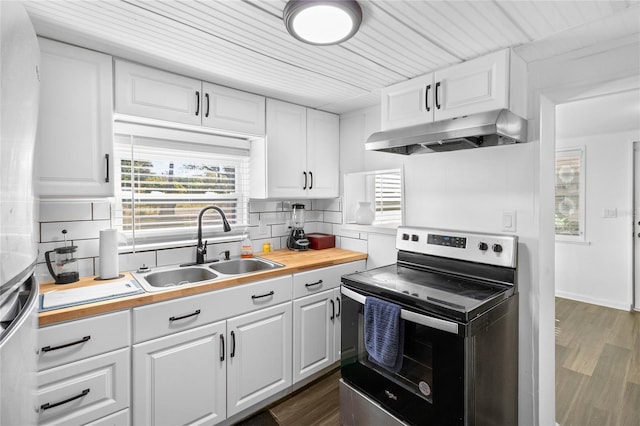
column 578, row 151
column 356, row 190
column 195, row 143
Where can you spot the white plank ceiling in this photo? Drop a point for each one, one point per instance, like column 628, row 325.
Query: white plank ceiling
column 243, row 43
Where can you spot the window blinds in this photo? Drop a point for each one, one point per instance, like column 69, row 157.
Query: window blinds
column 161, row 186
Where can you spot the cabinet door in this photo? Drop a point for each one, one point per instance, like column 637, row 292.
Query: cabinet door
column 152, row 93
column 180, row 379
column 286, row 154
column 313, row 334
column 74, row 139
column 408, row 103
column 323, row 154
column 473, row 86
column 259, row 356
column 233, row 110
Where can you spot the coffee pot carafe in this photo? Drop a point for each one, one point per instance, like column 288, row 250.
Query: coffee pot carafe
column 65, row 268
column 297, row 239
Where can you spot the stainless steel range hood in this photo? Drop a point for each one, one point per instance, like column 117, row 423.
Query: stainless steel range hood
column 498, row 127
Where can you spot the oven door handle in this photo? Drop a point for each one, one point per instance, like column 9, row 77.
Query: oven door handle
column 440, row 324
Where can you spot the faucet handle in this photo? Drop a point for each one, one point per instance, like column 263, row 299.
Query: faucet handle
column 203, row 250
column 226, row 254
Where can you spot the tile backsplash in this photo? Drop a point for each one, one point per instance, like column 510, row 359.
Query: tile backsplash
column 268, row 222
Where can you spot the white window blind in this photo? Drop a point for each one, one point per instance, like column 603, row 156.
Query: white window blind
column 388, row 198
column 162, row 185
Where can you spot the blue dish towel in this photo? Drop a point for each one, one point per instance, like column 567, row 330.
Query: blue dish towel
column 383, row 333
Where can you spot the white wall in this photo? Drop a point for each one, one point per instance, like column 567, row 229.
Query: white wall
column 600, row 271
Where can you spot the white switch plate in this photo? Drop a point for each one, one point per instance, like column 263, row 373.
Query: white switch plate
column 508, row 221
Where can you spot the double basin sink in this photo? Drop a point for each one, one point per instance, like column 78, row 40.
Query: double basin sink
column 169, row 277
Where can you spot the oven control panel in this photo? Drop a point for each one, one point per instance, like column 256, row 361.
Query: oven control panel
column 493, row 249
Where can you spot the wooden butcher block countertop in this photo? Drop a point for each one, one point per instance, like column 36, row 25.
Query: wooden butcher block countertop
column 293, row 262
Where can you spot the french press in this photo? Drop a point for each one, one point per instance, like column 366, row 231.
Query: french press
column 66, row 263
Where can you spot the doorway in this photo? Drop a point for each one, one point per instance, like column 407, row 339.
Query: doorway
column 595, row 274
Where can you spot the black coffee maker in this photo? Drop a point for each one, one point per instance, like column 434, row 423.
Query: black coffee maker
column 297, row 239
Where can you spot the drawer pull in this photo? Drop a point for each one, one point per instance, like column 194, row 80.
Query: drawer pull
column 55, row 404
column 185, row 316
column 313, row 284
column 49, row 348
column 271, row 293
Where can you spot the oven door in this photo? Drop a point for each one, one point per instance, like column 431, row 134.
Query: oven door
column 429, row 388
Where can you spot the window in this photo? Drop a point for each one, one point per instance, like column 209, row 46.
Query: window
column 570, row 190
column 382, row 188
column 162, row 185
column 388, row 198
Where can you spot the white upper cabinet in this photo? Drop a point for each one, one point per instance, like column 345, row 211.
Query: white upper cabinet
column 148, row 92
column 230, row 109
column 300, row 157
column 74, row 140
column 405, row 104
column 323, row 154
column 152, row 93
column 494, row 81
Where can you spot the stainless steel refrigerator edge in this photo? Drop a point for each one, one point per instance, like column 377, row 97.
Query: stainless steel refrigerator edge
column 19, row 93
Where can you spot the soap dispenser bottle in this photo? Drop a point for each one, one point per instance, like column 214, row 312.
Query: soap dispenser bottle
column 246, row 250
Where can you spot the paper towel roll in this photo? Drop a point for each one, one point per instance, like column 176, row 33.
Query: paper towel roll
column 109, row 254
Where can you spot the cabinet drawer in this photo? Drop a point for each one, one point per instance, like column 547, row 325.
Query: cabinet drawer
column 251, row 297
column 75, row 340
column 311, row 282
column 84, row 391
column 164, row 318
column 120, row 418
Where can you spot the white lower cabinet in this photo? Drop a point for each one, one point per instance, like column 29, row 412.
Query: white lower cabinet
column 181, row 379
column 83, row 370
column 316, row 318
column 313, row 334
column 259, row 356
column 85, row 390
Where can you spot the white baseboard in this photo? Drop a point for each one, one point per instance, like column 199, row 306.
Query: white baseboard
column 594, row 301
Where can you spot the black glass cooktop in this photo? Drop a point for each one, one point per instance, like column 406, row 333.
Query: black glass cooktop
column 442, row 292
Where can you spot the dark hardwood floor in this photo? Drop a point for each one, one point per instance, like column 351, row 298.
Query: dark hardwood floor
column 597, row 365
column 597, row 374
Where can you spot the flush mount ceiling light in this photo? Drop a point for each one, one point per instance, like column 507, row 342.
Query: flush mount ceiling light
column 322, row 22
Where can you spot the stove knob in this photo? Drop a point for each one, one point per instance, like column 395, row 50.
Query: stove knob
column 414, row 237
column 496, row 248
column 405, row 237
column 483, row 246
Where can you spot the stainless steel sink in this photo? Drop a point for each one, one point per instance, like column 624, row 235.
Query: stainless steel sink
column 244, row 266
column 168, row 277
column 174, row 277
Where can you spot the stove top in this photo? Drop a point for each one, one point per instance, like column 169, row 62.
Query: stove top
column 452, row 297
column 457, row 275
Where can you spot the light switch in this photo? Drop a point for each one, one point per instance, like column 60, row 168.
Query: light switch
column 509, row 221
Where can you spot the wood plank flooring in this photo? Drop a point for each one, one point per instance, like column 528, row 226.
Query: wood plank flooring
column 597, row 365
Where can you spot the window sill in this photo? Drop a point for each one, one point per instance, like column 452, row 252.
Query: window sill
column 578, row 243
column 373, row 229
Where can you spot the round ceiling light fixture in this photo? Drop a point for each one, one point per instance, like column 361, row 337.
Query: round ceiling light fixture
column 322, row 22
